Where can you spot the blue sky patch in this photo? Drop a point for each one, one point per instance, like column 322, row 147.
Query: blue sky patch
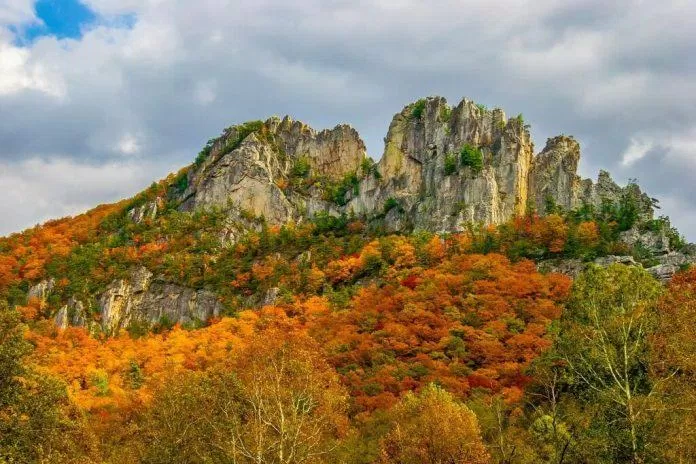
column 66, row 19
column 61, row 18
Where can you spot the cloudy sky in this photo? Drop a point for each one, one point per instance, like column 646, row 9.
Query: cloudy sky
column 100, row 97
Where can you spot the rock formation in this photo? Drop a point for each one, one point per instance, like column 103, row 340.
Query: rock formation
column 423, row 171
column 140, row 300
column 251, row 177
column 413, row 170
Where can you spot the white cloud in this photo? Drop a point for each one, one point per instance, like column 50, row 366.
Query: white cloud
column 618, row 75
column 575, row 53
column 39, row 189
column 16, row 11
column 676, row 146
column 19, row 72
column 128, row 145
column 637, row 149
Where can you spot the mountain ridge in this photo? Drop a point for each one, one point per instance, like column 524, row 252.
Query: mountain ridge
column 423, row 169
column 444, row 170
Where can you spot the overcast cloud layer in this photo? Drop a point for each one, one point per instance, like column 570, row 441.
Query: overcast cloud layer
column 95, row 118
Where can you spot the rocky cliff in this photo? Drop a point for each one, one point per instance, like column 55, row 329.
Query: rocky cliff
column 251, row 173
column 442, row 167
column 141, row 300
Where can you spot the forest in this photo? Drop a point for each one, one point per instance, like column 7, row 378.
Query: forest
column 378, row 348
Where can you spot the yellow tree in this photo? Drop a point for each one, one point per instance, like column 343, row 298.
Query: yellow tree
column 278, row 402
column 674, row 358
column 433, row 428
column 38, row 424
column 293, row 408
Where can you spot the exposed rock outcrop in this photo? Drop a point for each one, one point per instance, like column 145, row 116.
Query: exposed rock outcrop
column 143, row 299
column 573, row 267
column 145, row 211
column 668, row 264
column 553, row 175
column 73, row 313
column 41, row 290
column 422, row 171
column 252, row 176
column 654, row 242
column 413, row 168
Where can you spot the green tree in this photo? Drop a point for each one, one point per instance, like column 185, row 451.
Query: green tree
column 604, row 344
column 472, row 157
column 450, row 164
column 673, row 367
column 194, row 411
column 37, row 422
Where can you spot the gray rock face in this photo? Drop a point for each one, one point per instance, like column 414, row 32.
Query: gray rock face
column 146, row 300
column 421, row 170
column 573, row 267
column 140, row 299
column 656, row 242
column 606, row 261
column 252, row 177
column 147, row 211
column 553, row 174
column 72, row 314
column 42, row 290
column 570, row 267
column 670, row 264
column 271, row 296
column 413, row 171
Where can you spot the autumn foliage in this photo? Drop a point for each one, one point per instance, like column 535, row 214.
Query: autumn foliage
column 23, row 256
column 333, row 335
column 426, row 312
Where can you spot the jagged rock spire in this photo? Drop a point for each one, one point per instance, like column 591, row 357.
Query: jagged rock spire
column 443, row 166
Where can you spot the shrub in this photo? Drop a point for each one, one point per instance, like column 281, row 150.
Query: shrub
column 472, row 157
column 324, row 223
column 243, row 131
column 181, row 182
column 369, row 167
column 628, row 210
column 417, row 109
column 450, row 164
column 390, row 204
column 445, row 113
column 550, row 205
column 100, row 380
column 134, row 375
column 301, row 167
column 337, row 193
column 205, row 152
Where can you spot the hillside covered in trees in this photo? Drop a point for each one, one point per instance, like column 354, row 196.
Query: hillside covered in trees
column 284, row 299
